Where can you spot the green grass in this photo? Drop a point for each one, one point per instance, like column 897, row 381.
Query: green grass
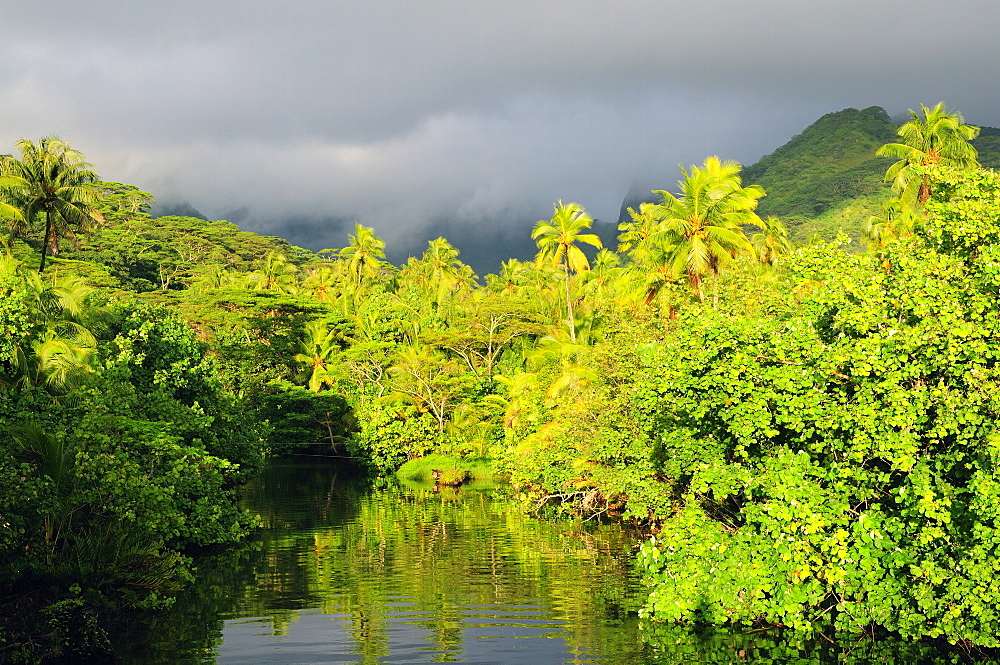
column 450, row 470
column 848, row 217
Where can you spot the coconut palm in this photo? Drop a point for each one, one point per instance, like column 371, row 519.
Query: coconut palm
column 896, row 222
column 600, row 280
column 771, row 242
column 654, row 274
column 517, row 400
column 652, row 253
column 61, row 358
column 7, row 211
column 702, row 227
column 322, row 282
column 513, row 276
column 362, row 260
column 933, row 136
column 319, row 348
column 277, row 274
column 57, row 345
column 54, row 181
column 364, row 254
column 634, row 235
column 557, row 240
column 569, row 358
column 441, row 271
column 217, row 277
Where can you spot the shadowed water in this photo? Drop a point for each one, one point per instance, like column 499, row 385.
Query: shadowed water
column 347, row 573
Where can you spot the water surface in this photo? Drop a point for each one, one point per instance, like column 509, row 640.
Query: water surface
column 348, row 573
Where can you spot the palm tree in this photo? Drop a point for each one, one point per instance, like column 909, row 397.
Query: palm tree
column 362, row 261
column 517, row 400
column 57, row 345
column 600, row 280
column 569, row 358
column 771, row 242
column 54, row 181
column 364, row 255
column 557, row 240
column 654, row 273
column 938, row 137
column 635, row 234
column 319, row 349
column 61, row 358
column 703, row 226
column 8, row 211
column 277, row 274
column 444, row 271
column 651, row 251
column 322, row 282
column 513, row 275
column 895, row 223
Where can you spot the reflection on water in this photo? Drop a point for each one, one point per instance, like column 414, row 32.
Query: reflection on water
column 354, row 574
column 345, row 573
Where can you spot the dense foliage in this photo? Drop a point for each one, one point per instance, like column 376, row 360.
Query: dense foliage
column 120, row 450
column 847, row 468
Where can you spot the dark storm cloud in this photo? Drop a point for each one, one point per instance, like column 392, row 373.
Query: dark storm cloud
column 401, row 114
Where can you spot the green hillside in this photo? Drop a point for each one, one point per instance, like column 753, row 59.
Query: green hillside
column 832, row 160
column 828, row 179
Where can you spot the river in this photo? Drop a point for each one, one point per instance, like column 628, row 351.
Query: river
column 347, row 572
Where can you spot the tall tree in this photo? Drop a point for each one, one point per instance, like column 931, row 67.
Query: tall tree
column 319, row 348
column 54, row 181
column 933, row 136
column 364, row 254
column 651, row 252
column 363, row 259
column 440, row 272
column 557, row 240
column 771, row 242
column 703, row 225
column 895, row 223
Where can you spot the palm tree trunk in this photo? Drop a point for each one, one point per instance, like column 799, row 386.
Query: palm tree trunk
column 695, row 280
column 45, row 240
column 925, row 191
column 569, row 305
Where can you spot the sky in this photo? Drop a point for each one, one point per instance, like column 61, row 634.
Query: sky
column 461, row 117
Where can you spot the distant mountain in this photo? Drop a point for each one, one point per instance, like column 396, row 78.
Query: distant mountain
column 485, row 245
column 988, row 145
column 175, row 209
column 832, row 160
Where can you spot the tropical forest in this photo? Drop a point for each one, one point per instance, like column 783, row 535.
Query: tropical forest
column 754, row 422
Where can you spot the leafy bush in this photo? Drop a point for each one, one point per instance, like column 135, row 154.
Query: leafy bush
column 850, row 461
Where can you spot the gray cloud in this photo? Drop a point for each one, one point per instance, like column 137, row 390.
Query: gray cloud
column 402, row 114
